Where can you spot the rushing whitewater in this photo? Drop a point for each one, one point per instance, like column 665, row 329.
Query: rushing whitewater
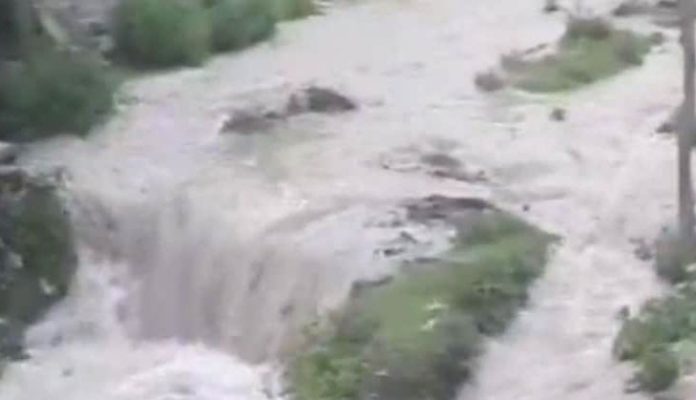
column 203, row 255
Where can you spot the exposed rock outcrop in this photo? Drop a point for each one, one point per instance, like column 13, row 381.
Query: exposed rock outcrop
column 319, row 100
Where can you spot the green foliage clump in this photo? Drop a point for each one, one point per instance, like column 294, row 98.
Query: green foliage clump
column 240, row 23
column 653, row 338
column 658, row 370
column 419, row 336
column 53, row 92
column 162, row 33
column 293, row 9
column 590, row 50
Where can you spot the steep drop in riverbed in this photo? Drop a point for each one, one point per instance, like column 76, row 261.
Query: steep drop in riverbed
column 202, row 254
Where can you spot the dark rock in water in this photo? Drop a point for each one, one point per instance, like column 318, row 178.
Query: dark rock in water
column 441, row 160
column 287, row 310
column 319, row 100
column 489, row 81
column 437, row 207
column 328, row 100
column 393, row 251
column 670, row 125
column 558, row 114
column 37, row 254
column 551, row 6
column 642, row 249
column 624, row 313
column 632, row 7
column 459, row 174
column 670, row 4
column 441, row 165
column 8, row 153
column 248, row 122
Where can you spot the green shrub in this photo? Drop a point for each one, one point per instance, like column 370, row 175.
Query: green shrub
column 240, row 23
column 162, row 33
column 293, row 9
column 658, row 370
column 653, row 338
column 53, row 93
column 418, row 337
column 590, row 50
column 494, row 286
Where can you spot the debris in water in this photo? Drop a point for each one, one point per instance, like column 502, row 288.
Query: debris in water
column 623, row 314
column 489, row 81
column 558, row 114
column 642, row 250
column 438, row 207
column 250, row 121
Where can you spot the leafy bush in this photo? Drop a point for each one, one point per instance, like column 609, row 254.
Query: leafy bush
column 54, row 92
column 162, row 33
column 419, row 336
column 239, row 23
column 293, row 9
column 590, row 50
column 653, row 338
column 658, row 370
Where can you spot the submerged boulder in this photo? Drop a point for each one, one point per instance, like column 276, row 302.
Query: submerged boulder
column 319, row 100
column 37, row 253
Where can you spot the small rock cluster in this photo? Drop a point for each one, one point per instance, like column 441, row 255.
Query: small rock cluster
column 313, row 99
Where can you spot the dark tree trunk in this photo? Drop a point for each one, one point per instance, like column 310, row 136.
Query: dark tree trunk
column 687, row 124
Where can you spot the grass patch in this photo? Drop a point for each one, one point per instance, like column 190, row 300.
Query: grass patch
column 661, row 339
column 418, row 337
column 165, row 33
column 53, row 92
column 240, row 23
column 656, row 339
column 162, row 33
column 590, row 50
